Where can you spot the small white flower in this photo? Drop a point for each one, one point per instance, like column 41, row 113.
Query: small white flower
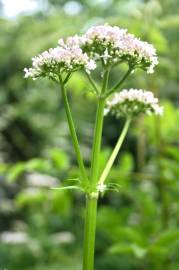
column 91, row 65
column 101, row 187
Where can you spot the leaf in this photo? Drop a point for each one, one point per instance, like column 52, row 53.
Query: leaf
column 173, row 152
column 120, row 249
column 67, row 188
column 138, row 251
column 15, row 171
column 165, row 242
column 3, row 168
column 170, row 21
column 157, row 38
column 30, row 197
column 167, row 238
column 126, row 163
column 127, row 248
column 37, row 164
column 59, row 159
column 129, row 233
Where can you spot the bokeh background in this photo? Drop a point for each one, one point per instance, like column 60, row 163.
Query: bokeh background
column 40, row 228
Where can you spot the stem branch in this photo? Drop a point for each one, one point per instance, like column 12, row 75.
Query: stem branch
column 114, row 153
column 92, row 83
column 113, row 89
column 73, row 134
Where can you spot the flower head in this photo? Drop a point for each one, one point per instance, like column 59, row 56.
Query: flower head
column 109, row 44
column 132, row 102
column 59, row 60
column 112, row 44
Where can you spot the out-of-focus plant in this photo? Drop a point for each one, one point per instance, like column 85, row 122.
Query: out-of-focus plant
column 101, row 47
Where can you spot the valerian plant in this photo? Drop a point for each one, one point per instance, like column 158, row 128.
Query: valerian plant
column 101, row 46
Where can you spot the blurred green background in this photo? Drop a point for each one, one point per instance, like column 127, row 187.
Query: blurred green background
column 40, row 228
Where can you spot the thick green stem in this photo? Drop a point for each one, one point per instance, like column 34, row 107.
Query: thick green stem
column 90, row 231
column 92, row 197
column 114, row 153
column 98, row 133
column 73, row 134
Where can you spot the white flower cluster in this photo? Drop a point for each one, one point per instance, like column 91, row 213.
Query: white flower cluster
column 113, row 45
column 132, row 102
column 116, row 45
column 110, row 44
column 59, row 60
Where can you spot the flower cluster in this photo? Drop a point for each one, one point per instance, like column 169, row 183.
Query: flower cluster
column 109, row 44
column 132, row 102
column 58, row 60
column 112, row 44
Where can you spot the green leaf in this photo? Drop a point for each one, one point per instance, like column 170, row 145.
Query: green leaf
column 126, row 163
column 167, row 238
column 16, row 171
column 59, row 159
column 127, row 248
column 165, row 243
column 173, row 152
column 37, row 164
column 67, row 188
column 31, row 197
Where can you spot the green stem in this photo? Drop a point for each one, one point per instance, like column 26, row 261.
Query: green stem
column 98, row 132
column 90, row 230
column 67, row 78
column 73, row 134
column 95, row 89
column 114, row 153
column 92, row 197
column 119, row 83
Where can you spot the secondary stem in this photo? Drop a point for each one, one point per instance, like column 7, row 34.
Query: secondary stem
column 115, row 152
column 95, row 89
column 73, row 134
column 98, row 132
column 90, row 230
column 119, row 83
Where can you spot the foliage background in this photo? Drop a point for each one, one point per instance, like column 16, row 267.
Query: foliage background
column 41, row 228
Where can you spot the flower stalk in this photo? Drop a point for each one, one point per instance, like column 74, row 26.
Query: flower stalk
column 73, row 134
column 114, row 153
column 111, row 91
column 111, row 46
column 98, row 132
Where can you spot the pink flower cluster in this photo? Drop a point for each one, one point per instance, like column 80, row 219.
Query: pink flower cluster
column 133, row 102
column 106, row 43
column 59, row 60
column 113, row 44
